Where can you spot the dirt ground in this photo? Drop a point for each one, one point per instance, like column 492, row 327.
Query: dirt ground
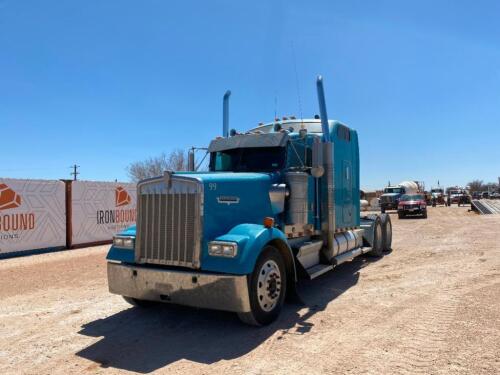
column 432, row 306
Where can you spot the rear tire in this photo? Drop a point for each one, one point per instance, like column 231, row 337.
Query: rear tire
column 425, row 214
column 386, row 232
column 377, row 245
column 266, row 288
column 401, row 215
column 382, row 209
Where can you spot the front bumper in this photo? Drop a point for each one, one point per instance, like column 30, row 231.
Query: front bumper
column 189, row 288
column 412, row 211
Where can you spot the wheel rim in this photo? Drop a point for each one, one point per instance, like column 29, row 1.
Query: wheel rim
column 269, row 285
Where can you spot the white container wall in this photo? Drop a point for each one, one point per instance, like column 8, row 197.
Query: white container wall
column 32, row 215
column 100, row 210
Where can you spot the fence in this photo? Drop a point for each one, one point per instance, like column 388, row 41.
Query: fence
column 41, row 215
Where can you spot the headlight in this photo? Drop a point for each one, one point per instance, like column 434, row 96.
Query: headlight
column 222, row 249
column 124, row 242
column 422, row 206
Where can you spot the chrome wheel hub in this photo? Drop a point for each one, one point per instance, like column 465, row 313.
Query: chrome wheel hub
column 269, row 285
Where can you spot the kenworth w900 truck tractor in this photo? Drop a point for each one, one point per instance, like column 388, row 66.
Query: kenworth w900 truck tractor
column 278, row 203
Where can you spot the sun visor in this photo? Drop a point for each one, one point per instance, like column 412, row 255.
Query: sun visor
column 248, row 141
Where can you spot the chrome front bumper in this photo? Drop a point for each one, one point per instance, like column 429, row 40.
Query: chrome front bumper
column 190, row 288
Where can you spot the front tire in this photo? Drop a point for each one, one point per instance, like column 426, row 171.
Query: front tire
column 266, row 288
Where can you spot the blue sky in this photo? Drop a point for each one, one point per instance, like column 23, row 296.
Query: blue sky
column 106, row 83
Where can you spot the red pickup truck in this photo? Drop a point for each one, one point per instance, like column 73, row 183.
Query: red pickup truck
column 412, row 204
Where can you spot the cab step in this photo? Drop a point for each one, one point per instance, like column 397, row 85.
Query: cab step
column 308, row 253
column 318, row 270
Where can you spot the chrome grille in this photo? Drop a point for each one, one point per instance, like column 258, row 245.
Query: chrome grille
column 169, row 221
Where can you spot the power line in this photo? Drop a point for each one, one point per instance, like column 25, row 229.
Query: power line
column 75, row 172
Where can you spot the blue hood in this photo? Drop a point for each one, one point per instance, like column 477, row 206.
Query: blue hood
column 234, row 198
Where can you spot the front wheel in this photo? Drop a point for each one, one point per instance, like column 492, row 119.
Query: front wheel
column 266, row 288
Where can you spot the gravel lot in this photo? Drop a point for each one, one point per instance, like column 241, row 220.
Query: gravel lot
column 431, row 306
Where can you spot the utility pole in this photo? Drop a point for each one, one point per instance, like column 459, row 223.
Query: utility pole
column 75, row 171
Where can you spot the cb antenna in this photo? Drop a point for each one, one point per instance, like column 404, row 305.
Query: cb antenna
column 297, row 85
column 275, row 106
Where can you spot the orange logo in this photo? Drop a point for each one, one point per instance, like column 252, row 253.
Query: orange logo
column 121, row 197
column 8, row 198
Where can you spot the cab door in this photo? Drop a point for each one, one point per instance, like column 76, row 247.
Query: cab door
column 347, row 206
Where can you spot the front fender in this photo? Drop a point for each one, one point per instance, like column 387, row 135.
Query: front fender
column 251, row 239
column 123, row 255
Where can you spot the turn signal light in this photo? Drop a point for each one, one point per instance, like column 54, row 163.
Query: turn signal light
column 268, row 222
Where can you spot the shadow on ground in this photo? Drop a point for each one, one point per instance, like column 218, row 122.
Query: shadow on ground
column 145, row 340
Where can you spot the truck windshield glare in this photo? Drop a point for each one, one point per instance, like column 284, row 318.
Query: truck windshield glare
column 392, row 190
column 256, row 159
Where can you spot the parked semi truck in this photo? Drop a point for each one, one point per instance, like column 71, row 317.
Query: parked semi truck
column 392, row 194
column 280, row 202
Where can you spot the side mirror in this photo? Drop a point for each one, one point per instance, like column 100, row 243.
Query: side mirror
column 317, row 169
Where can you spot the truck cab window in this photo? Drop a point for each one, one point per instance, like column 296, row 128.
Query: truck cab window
column 255, row 159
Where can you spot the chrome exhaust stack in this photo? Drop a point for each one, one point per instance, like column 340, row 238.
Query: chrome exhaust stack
column 225, row 114
column 191, row 166
column 322, row 110
column 328, row 187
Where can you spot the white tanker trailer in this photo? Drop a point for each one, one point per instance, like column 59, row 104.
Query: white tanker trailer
column 411, row 187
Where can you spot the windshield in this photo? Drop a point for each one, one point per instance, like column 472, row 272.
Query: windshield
column 393, row 190
column 436, row 191
column 412, row 197
column 255, row 159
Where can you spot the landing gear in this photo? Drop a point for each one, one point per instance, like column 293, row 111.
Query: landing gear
column 267, row 288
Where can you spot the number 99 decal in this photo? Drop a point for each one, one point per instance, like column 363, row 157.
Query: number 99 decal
column 212, row 186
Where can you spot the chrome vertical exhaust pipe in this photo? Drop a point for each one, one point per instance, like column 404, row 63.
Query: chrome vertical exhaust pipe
column 225, row 114
column 191, row 166
column 327, row 183
column 322, row 109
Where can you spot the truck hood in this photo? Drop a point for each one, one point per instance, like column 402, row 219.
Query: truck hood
column 234, row 198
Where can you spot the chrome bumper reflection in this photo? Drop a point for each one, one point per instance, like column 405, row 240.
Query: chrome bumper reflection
column 206, row 290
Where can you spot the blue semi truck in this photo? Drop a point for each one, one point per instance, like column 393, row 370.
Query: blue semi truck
column 280, row 202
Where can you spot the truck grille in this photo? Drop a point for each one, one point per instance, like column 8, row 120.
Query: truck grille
column 169, row 221
column 386, row 199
